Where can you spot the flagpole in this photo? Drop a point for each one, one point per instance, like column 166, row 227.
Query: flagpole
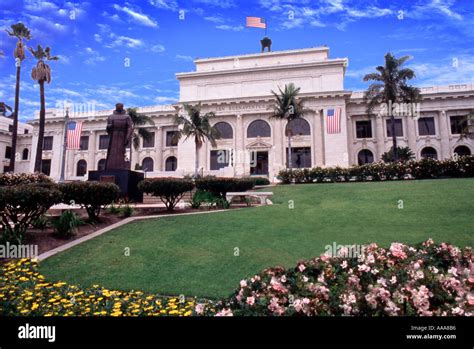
column 63, row 162
column 266, row 25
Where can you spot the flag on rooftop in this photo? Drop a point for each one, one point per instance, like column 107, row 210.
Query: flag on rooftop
column 256, row 22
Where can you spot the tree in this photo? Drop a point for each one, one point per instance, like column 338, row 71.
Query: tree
column 197, row 126
column 4, row 108
column 404, row 154
column 20, row 32
column 139, row 132
column 41, row 73
column 288, row 107
column 391, row 87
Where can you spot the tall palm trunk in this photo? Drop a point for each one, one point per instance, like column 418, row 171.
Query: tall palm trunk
column 394, row 138
column 42, row 117
column 196, row 164
column 290, row 163
column 15, row 119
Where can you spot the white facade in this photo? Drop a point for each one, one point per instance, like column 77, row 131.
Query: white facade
column 238, row 90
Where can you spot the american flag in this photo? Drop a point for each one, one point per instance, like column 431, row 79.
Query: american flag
column 256, row 22
column 74, row 129
column 333, row 120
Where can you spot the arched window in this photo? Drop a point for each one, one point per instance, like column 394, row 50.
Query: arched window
column 171, row 164
column 25, row 154
column 225, row 130
column 81, row 168
column 147, row 164
column 258, row 128
column 365, row 156
column 462, row 150
column 429, row 152
column 298, row 127
column 101, row 165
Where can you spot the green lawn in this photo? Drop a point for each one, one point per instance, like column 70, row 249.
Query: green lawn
column 194, row 255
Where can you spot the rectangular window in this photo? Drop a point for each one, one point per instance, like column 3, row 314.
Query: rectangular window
column 149, row 143
column 458, row 124
column 220, row 159
column 10, row 128
column 46, row 167
column 172, row 138
column 26, row 131
column 426, row 126
column 364, row 129
column 48, row 143
column 398, row 128
column 8, row 152
column 84, row 145
column 300, row 157
column 103, row 141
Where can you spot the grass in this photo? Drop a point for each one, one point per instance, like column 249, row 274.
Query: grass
column 195, row 255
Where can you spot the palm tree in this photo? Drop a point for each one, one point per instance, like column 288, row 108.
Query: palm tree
column 139, row 132
column 4, row 108
column 288, row 107
column 404, row 154
column 197, row 126
column 391, row 87
column 41, row 73
column 20, row 32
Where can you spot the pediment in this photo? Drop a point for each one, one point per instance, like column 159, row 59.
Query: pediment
column 258, row 144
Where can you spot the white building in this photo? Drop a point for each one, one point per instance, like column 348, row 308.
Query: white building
column 238, row 90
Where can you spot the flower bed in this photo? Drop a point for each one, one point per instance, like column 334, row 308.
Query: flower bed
column 377, row 171
column 424, row 280
column 24, row 292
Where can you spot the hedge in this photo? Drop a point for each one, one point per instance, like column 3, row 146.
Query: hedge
column 422, row 169
column 221, row 186
column 90, row 195
column 169, row 190
column 23, row 178
column 425, row 279
column 22, row 204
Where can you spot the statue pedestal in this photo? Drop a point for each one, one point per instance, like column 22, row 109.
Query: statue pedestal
column 127, row 181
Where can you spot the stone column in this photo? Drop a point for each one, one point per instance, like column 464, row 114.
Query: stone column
column 159, row 146
column 318, row 138
column 379, row 136
column 444, row 124
column 91, row 160
column 412, row 126
column 239, row 146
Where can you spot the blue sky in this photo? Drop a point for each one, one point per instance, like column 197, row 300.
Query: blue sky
column 95, row 39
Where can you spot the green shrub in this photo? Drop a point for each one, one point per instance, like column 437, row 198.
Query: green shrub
column 23, row 178
column 221, row 186
column 126, row 211
column 169, row 190
column 90, row 195
column 66, row 224
column 260, row 180
column 378, row 171
column 22, row 204
column 404, row 154
column 112, row 209
column 42, row 222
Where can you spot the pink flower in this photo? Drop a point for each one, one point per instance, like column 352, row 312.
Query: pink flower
column 250, row 300
column 396, row 249
column 225, row 312
column 301, row 267
column 199, row 308
column 243, row 283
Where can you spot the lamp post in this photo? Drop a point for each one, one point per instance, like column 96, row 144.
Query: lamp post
column 63, row 161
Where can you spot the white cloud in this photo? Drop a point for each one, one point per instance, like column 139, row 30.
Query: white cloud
column 184, row 58
column 140, row 17
column 170, row 5
column 215, row 19
column 230, row 27
column 435, row 6
column 93, row 56
column 157, row 48
column 218, row 3
column 165, row 100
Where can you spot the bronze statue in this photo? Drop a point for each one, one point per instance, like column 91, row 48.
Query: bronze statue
column 119, row 129
column 266, row 43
